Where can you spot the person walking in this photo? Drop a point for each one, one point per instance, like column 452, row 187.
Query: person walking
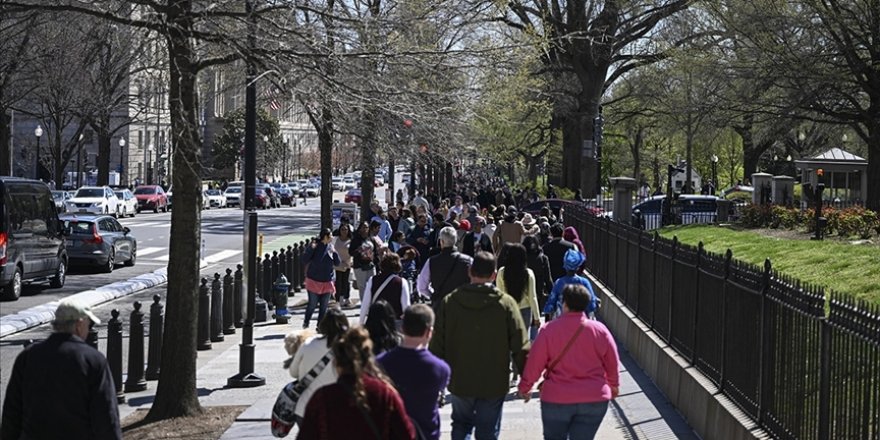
column 316, row 356
column 540, row 266
column 579, row 361
column 476, row 239
column 62, row 387
column 478, row 330
column 321, row 259
column 343, row 269
column 445, row 271
column 518, row 281
column 556, row 249
column 381, row 322
column 362, row 404
column 510, row 230
column 419, row 376
column 363, row 253
column 420, row 238
column 572, row 263
column 387, row 285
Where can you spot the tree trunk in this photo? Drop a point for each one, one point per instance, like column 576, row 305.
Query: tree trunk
column 532, row 162
column 571, row 153
column 5, row 145
column 103, row 154
column 325, row 145
column 872, row 198
column 390, row 182
column 176, row 394
column 368, row 176
column 689, row 158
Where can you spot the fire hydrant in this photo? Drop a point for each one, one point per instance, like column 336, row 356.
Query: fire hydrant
column 281, row 287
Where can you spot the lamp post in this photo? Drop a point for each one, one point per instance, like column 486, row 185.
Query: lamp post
column 38, row 132
column 148, row 167
column 121, row 160
column 714, row 173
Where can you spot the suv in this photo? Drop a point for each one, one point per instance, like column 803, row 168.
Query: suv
column 151, row 197
column 31, row 237
column 94, row 200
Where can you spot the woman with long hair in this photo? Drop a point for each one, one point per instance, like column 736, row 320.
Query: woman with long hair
column 517, row 280
column 331, row 328
column 343, row 269
column 362, row 404
column 321, row 259
column 382, row 325
column 540, row 266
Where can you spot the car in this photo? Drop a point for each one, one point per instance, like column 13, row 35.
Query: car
column 686, row 209
column 60, row 198
column 128, row 202
column 272, row 197
column 216, row 198
column 555, row 206
column 286, row 196
column 151, row 197
column 233, row 196
column 353, row 196
column 98, row 241
column 379, row 180
column 261, row 199
column 337, row 184
column 206, row 200
column 348, row 183
column 31, row 237
column 313, row 190
column 94, row 200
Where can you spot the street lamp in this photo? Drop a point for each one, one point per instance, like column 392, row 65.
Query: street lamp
column 714, row 173
column 149, row 164
column 38, row 132
column 121, row 161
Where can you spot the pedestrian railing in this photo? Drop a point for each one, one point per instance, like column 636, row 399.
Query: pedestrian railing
column 802, row 365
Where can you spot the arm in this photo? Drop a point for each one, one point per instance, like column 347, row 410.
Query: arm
column 424, row 280
column 550, row 307
column 296, row 364
column 367, row 301
column 548, row 277
column 404, row 295
column 611, row 362
column 499, row 281
column 537, row 361
column 518, row 335
column 103, row 411
column 533, row 296
column 401, row 426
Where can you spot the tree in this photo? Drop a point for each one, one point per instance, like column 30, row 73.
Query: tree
column 16, row 33
column 228, row 147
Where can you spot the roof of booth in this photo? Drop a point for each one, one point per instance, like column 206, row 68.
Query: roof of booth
column 838, row 154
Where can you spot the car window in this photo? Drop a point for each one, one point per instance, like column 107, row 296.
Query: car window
column 106, row 225
column 649, row 207
column 78, row 227
column 89, row 192
column 116, row 225
column 699, row 206
column 120, row 195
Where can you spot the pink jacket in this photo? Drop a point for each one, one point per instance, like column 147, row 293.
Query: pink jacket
column 585, row 373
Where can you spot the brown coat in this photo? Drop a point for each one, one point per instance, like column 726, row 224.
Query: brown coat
column 507, row 233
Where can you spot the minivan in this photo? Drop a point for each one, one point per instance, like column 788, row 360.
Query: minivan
column 31, row 237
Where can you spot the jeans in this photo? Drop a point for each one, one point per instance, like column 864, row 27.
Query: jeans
column 483, row 416
column 343, row 285
column 578, row 421
column 362, row 276
column 316, row 299
column 527, row 320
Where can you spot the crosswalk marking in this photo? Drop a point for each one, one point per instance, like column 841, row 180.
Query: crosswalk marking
column 149, row 250
column 222, row 255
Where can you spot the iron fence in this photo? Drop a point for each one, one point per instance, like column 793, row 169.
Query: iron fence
column 802, row 366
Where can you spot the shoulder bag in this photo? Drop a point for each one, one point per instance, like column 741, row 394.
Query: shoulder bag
column 283, row 416
column 561, row 354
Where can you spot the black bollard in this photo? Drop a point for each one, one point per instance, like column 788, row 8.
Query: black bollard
column 216, row 310
column 92, row 338
column 114, row 352
column 204, row 334
column 267, row 281
column 238, row 297
column 157, row 329
column 228, row 304
column 289, row 270
column 135, row 381
column 275, row 270
column 282, row 263
column 259, row 280
column 302, row 266
column 294, row 279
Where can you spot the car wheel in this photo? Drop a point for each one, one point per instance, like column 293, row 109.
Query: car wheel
column 57, row 281
column 138, row 210
column 164, row 208
column 12, row 291
column 111, row 261
column 131, row 261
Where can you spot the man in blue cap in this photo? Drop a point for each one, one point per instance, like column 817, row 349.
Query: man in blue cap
column 572, row 262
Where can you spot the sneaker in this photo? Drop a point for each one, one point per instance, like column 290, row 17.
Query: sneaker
column 346, row 302
column 305, row 326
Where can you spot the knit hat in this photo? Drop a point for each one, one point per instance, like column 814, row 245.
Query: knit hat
column 573, row 260
column 70, row 310
column 464, row 225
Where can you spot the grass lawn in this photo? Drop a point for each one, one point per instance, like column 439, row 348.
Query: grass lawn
column 843, row 267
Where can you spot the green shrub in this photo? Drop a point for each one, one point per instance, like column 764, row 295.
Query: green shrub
column 856, row 221
column 756, row 216
column 786, row 218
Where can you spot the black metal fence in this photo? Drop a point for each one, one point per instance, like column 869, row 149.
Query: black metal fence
column 801, row 366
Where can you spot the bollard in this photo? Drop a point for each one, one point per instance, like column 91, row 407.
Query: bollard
column 267, row 281
column 276, row 265
column 281, row 288
column 92, row 338
column 294, row 279
column 114, row 352
column 204, row 333
column 238, row 297
column 302, row 266
column 228, row 304
column 135, row 381
column 157, row 328
column 289, row 271
column 259, row 280
column 282, row 263
column 216, row 310
column 261, row 313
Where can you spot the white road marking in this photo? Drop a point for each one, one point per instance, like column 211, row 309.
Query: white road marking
column 149, row 250
column 222, row 255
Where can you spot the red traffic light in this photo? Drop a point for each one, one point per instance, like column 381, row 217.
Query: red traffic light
column 407, row 123
column 820, row 172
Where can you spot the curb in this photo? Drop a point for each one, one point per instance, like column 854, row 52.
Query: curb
column 44, row 313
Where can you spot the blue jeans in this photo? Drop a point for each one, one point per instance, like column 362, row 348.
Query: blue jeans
column 319, row 300
column 578, row 421
column 527, row 320
column 483, row 416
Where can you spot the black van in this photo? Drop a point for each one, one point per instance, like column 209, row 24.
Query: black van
column 31, row 237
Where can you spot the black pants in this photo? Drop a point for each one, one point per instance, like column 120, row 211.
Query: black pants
column 343, row 285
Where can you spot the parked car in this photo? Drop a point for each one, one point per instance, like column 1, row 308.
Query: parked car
column 312, row 190
column 98, row 241
column 261, row 199
column 151, row 197
column 31, row 237
column 686, row 209
column 127, row 201
column 348, row 183
column 286, row 195
column 233, row 196
column 60, row 198
column 94, row 200
column 337, row 184
column 353, row 196
column 216, row 198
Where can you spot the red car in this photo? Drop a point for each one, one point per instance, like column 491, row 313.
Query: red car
column 353, row 196
column 151, row 197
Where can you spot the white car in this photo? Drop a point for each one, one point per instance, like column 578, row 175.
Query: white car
column 313, row 190
column 348, row 183
column 94, row 200
column 216, row 198
column 232, row 196
column 127, row 201
column 337, row 184
column 206, row 200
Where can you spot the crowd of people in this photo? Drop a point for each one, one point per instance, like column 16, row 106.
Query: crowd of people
column 467, row 294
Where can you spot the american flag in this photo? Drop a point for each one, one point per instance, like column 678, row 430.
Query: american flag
column 270, row 94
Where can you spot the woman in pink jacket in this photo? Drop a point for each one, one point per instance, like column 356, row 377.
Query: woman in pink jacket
column 579, row 362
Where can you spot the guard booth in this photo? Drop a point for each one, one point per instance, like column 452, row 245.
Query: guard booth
column 349, row 211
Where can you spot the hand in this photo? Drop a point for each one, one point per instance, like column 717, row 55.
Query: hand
column 615, row 391
column 536, row 322
column 524, row 396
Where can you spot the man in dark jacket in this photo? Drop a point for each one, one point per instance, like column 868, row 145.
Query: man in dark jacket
column 62, row 387
column 445, row 271
column 555, row 250
column 475, row 240
column 478, row 329
column 420, row 238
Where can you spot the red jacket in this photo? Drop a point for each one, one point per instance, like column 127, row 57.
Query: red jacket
column 332, row 415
